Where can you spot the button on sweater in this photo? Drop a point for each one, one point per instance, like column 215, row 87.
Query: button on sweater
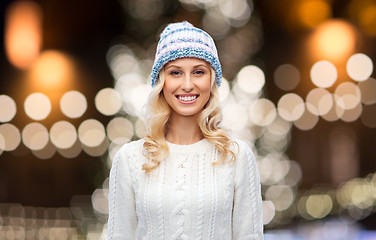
column 185, row 197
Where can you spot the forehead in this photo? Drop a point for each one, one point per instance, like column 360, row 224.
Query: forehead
column 187, row 62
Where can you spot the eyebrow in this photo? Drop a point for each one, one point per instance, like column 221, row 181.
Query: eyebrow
column 195, row 66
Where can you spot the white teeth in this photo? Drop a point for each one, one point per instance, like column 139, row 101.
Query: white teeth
column 187, row 99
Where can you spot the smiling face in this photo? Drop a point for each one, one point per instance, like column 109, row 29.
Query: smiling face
column 187, row 85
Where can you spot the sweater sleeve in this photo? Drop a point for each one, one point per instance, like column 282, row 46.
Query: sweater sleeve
column 247, row 210
column 122, row 221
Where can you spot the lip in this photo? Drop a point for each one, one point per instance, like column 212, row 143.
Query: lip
column 187, row 95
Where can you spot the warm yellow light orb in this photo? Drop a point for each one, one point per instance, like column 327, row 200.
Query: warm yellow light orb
column 313, row 12
column 52, row 70
column 23, row 33
column 333, row 40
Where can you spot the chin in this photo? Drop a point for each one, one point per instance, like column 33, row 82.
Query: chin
column 187, row 113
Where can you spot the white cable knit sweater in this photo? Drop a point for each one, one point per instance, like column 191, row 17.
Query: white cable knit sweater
column 185, row 197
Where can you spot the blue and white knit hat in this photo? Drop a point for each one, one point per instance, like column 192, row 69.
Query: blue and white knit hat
column 180, row 40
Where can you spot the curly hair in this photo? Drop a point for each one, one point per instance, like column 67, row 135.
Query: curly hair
column 155, row 145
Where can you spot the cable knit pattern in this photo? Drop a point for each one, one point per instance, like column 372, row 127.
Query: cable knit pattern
column 114, row 171
column 214, row 198
column 160, row 218
column 224, row 228
column 179, row 211
column 200, row 199
column 185, row 197
column 252, row 187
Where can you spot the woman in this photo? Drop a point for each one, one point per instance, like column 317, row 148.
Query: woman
column 187, row 179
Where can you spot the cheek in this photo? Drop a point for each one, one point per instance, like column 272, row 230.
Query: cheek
column 206, row 87
column 169, row 86
column 166, row 89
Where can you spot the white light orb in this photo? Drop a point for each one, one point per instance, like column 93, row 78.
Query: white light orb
column 37, row 106
column 73, row 104
column 323, row 74
column 359, row 67
column 291, row 107
column 8, row 108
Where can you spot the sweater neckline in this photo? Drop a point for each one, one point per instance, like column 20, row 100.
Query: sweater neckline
column 194, row 147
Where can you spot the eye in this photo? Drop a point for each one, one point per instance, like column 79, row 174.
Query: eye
column 199, row 72
column 174, row 73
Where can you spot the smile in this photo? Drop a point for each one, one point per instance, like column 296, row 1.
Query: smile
column 187, row 99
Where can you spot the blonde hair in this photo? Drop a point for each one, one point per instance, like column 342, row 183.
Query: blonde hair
column 155, row 145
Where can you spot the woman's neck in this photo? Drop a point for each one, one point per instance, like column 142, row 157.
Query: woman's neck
column 183, row 130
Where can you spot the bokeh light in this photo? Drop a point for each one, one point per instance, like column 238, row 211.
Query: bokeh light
column 333, row 40
column 140, row 129
column 63, row 134
column 139, row 96
column 224, row 90
column 238, row 12
column 273, row 168
column 234, row 116
column 313, row 12
column 294, row 176
column 323, row 74
column 121, row 60
column 270, row 143
column 282, row 196
column 291, row 107
column 11, row 135
column 35, row 136
column 347, row 95
column 358, row 193
column 268, row 212
column 367, row 16
column 37, row 106
column 307, row 121
column 120, row 130
column 334, row 113
column 144, row 9
column 319, row 101
column 368, row 91
column 262, row 112
column 71, row 152
column 125, row 86
column 286, row 77
column 353, row 114
column 318, row 206
column 99, row 199
column 53, row 70
column 96, row 151
column 73, row 104
column 46, row 153
column 8, row 108
column 251, row 79
column 108, row 101
column 279, row 127
column 215, row 23
column 359, row 67
column 23, row 33
column 91, row 133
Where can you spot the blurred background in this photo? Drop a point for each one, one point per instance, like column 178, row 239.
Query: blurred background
column 298, row 87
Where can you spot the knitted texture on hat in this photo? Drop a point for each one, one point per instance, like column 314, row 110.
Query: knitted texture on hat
column 180, row 40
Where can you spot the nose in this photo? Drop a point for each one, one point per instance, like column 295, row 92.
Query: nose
column 187, row 84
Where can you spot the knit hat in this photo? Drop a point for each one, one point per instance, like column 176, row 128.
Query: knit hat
column 180, row 40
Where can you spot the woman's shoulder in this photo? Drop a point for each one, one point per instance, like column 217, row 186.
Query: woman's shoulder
column 243, row 152
column 132, row 148
column 240, row 146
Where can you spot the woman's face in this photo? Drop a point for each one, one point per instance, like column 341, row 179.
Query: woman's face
column 187, row 85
